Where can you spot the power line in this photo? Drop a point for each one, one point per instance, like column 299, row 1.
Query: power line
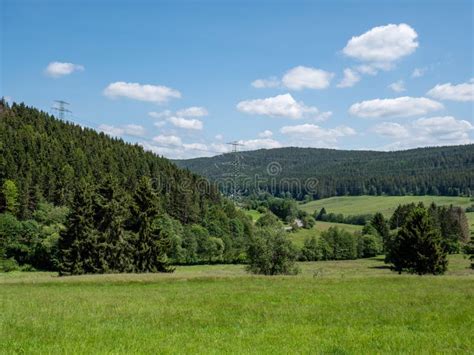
column 236, row 167
column 61, row 109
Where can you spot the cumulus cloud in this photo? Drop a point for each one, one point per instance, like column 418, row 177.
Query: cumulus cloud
column 351, row 77
column 301, row 77
column 382, row 46
column 430, row 131
column 186, row 123
column 162, row 114
column 265, row 134
column 135, row 91
column 167, row 140
column 298, row 78
column 129, row 130
column 159, row 124
column 398, row 86
column 390, row 130
column 418, row 72
column 58, row 69
column 281, row 106
column 272, row 82
column 460, row 92
column 317, row 135
column 399, row 107
column 264, row 143
column 194, row 111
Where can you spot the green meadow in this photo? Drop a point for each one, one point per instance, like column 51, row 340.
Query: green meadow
column 353, row 205
column 301, row 234
column 335, row 307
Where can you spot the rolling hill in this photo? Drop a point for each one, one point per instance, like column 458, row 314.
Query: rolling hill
column 322, row 173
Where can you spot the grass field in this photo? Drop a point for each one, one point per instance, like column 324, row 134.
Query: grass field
column 352, row 205
column 301, row 234
column 254, row 214
column 345, row 307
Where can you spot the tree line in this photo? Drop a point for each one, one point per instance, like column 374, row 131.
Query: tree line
column 78, row 201
column 314, row 173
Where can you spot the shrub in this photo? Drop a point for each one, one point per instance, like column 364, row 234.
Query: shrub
column 271, row 253
column 7, row 265
column 341, row 244
column 268, row 220
column 311, row 250
column 368, row 245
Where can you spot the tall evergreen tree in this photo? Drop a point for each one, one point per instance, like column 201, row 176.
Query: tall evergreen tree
column 77, row 244
column 149, row 251
column 417, row 247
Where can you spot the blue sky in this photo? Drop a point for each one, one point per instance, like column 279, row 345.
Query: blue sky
column 184, row 77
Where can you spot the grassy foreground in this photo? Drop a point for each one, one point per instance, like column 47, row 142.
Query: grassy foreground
column 345, row 307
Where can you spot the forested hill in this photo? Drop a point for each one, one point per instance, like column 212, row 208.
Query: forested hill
column 47, row 158
column 321, row 173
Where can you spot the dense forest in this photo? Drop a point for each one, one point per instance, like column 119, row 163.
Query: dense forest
column 313, row 173
column 78, row 201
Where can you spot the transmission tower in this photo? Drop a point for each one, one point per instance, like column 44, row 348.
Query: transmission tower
column 235, row 167
column 61, row 109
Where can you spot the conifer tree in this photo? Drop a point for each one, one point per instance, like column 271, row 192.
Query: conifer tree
column 417, row 248
column 77, row 244
column 149, row 253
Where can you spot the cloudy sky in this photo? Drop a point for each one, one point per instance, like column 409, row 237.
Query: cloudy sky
column 183, row 78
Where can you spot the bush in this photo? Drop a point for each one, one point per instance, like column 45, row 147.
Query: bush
column 271, row 253
column 310, row 250
column 417, row 247
column 7, row 265
column 341, row 245
column 268, row 220
column 368, row 246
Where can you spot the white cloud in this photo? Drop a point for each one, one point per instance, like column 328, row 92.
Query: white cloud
column 279, row 106
column 367, row 69
column 159, row 124
column 271, row 82
column 317, row 135
column 195, row 146
column 301, row 77
column 186, row 123
column 167, row 140
column 398, row 107
column 444, row 128
column 390, row 130
column 136, row 91
column 460, row 92
column 219, row 137
column 129, row 130
column 264, row 143
column 398, row 86
column 418, row 72
column 431, row 131
column 350, row 78
column 58, row 69
column 265, row 134
column 165, row 113
column 383, row 45
column 134, row 130
column 111, row 130
column 194, row 111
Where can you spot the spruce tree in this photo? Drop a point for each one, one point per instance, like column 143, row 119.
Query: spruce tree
column 110, row 215
column 77, row 244
column 417, row 247
column 149, row 253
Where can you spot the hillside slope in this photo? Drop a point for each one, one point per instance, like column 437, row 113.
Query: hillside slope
column 47, row 157
column 328, row 172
